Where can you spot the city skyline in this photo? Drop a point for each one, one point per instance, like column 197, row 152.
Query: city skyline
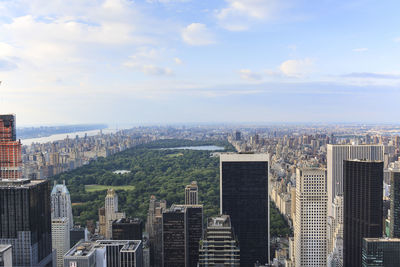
column 226, row 60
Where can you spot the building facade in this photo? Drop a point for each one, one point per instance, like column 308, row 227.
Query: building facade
column 363, row 193
column 127, row 229
column 310, row 229
column 60, row 238
column 10, row 149
column 192, row 194
column 6, row 256
column 26, row 221
column 111, row 211
column 244, row 197
column 154, row 229
column 123, row 253
column 61, row 203
column 219, row 246
column 394, row 219
column 381, row 252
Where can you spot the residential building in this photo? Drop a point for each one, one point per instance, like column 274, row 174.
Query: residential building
column 244, row 197
column 10, row 149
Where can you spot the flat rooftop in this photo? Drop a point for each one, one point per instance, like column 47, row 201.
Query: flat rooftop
column 82, row 249
column 234, row 157
column 127, row 245
column 381, row 239
column 20, row 183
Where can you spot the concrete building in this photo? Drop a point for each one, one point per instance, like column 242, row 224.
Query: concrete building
column 381, row 252
column 10, row 149
column 154, row 229
column 394, row 218
column 61, row 203
column 310, row 229
column 111, row 211
column 363, row 182
column 6, row 256
column 192, row 194
column 244, row 197
column 86, row 254
column 219, row 246
column 26, row 221
column 60, row 238
column 123, row 253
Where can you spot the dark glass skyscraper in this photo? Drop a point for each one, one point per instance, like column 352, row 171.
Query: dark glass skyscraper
column 127, row 229
column 244, row 197
column 25, row 221
column 363, row 182
column 395, row 200
column 381, row 252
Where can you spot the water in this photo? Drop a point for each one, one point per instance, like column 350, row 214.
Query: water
column 57, row 137
column 210, row 148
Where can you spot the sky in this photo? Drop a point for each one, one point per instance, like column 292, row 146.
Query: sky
column 189, row 61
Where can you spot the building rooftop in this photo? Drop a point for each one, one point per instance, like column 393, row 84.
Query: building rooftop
column 219, row 221
column 22, row 183
column 232, row 157
column 60, row 189
column 82, row 249
column 381, row 239
column 394, row 166
column 127, row 220
column 5, row 247
column 127, row 245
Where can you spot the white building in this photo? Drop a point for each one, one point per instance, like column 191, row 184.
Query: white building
column 335, row 156
column 310, row 232
column 111, row 211
column 192, row 194
column 61, row 203
column 60, row 238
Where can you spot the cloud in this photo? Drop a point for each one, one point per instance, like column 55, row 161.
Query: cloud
column 154, row 70
column 372, row 75
column 144, row 60
column 239, row 14
column 197, row 34
column 6, row 65
column 247, row 74
column 178, row 61
column 397, row 40
column 166, row 1
column 363, row 49
column 297, row 68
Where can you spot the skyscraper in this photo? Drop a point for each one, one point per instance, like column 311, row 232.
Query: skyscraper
column 182, row 231
column 111, row 211
column 60, row 238
column 395, row 199
column 127, row 229
column 381, row 252
column 61, row 203
column 310, row 229
column 154, row 228
column 10, row 149
column 219, row 247
column 192, row 194
column 25, row 221
column 244, row 197
column 363, row 182
column 336, row 154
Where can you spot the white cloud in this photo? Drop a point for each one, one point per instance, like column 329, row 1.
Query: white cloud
column 249, row 75
column 166, row 1
column 197, row 34
column 178, row 61
column 144, row 61
column 297, row 68
column 362, row 49
column 397, row 40
column 239, row 14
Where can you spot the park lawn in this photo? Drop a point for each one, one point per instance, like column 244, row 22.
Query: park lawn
column 97, row 187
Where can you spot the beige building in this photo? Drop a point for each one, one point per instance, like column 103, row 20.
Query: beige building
column 60, row 238
column 310, row 231
column 111, row 212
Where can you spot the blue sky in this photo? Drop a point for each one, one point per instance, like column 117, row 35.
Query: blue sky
column 172, row 61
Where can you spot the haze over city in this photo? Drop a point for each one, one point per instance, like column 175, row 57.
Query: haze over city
column 175, row 61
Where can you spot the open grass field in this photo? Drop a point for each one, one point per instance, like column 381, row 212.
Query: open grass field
column 96, row 187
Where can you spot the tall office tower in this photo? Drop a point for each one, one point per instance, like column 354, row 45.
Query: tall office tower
column 127, row 229
column 123, row 253
column 111, row 211
column 77, row 234
column 363, row 181
column 10, row 149
column 238, row 136
column 182, row 231
column 60, row 238
column 381, row 252
column 102, row 221
column 395, row 199
column 219, row 246
column 192, row 194
column 311, row 218
column 154, row 228
column 336, row 154
column 25, row 221
column 61, row 203
column 244, row 197
column 6, row 255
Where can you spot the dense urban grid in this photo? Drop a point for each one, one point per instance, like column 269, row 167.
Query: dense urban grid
column 204, row 195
